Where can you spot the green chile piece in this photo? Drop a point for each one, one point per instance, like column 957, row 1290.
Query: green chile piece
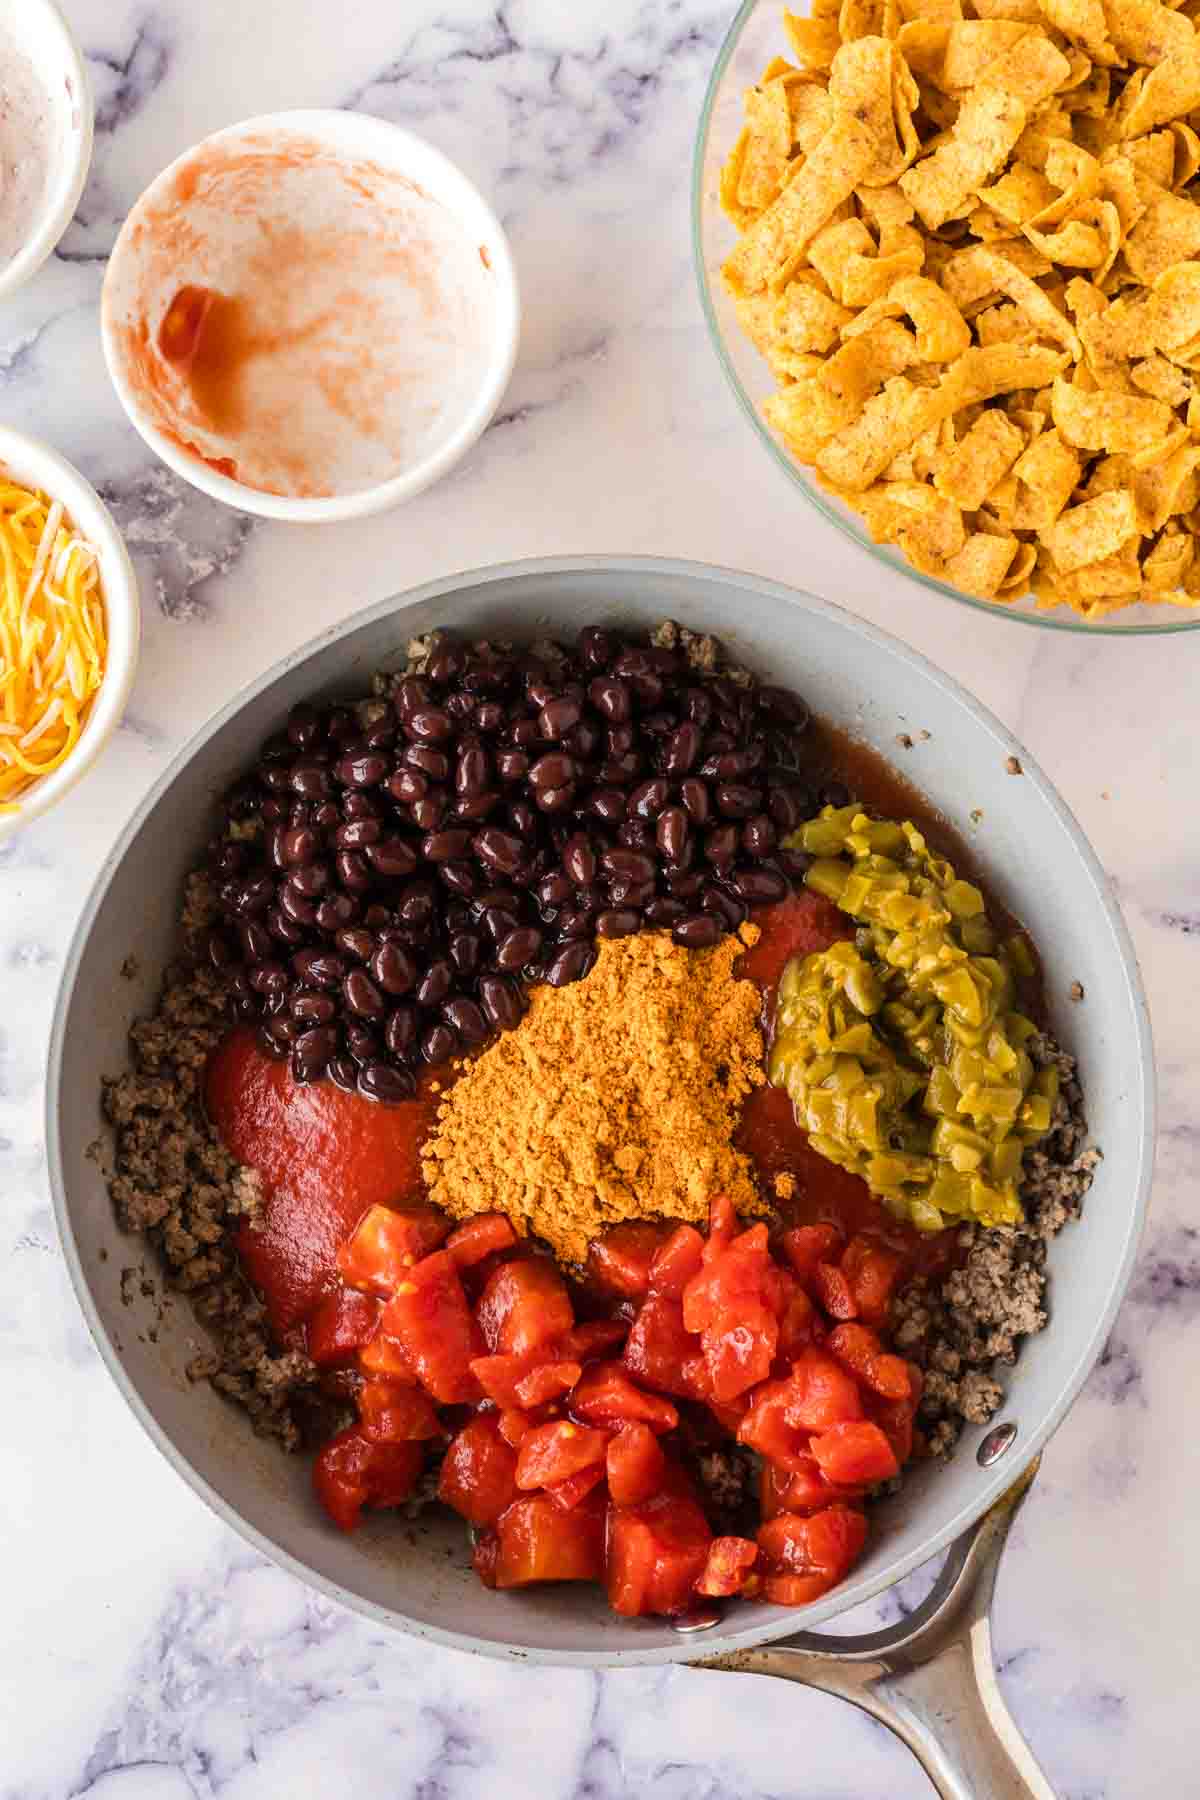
column 903, row 1052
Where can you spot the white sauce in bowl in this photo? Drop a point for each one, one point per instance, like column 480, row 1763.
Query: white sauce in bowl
column 27, row 129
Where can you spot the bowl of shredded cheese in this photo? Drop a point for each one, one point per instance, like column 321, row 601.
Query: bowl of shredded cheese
column 69, row 627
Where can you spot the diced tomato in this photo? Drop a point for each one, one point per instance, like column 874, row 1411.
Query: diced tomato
column 636, row 1465
column 824, row 1543
column 575, row 1488
column 807, row 1245
column 547, row 1382
column 658, row 1346
column 484, row 1235
column 768, row 1429
column 595, row 1337
column 796, row 1590
column 772, row 1487
column 738, row 1356
column 800, row 1325
column 677, row 1259
column 385, row 1244
column 657, row 1552
column 539, row 1541
column 384, row 1356
column 821, row 1392
column 896, row 1418
column 515, row 1425
column 874, row 1273
column 392, row 1414
column 524, row 1305
column 733, row 1276
column 428, row 1314
column 619, row 1262
column 860, row 1349
column 730, row 1560
column 722, row 1226
column 340, row 1324
column 498, row 1376
column 832, row 1292
column 350, row 1472
column 557, row 1450
column 856, row 1454
column 478, row 1475
column 729, row 1413
column 606, row 1396
column 807, row 1491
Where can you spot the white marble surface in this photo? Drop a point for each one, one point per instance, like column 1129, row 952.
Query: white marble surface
column 145, row 1653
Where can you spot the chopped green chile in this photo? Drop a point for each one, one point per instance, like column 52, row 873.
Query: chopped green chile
column 902, row 1051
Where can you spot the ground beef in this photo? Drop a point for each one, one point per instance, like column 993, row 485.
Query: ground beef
column 978, row 1316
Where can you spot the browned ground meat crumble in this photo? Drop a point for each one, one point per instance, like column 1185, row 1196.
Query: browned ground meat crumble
column 172, row 1181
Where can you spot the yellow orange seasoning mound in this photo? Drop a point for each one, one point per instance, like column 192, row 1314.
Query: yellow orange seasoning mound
column 52, row 637
column 616, row 1098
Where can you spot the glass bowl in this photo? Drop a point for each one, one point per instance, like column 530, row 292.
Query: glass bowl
column 755, row 36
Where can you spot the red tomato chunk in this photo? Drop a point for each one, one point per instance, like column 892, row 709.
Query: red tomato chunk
column 386, row 1243
column 657, row 1552
column 524, row 1305
column 429, row 1316
column 340, row 1325
column 351, row 1472
column 479, row 1473
column 553, row 1452
column 619, row 1263
column 539, row 1541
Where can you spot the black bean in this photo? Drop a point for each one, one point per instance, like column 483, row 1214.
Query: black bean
column 297, row 846
column 620, row 739
column 695, row 797
column 569, row 964
column 583, row 741
column 400, row 1032
column 623, row 892
column 434, row 763
column 327, row 815
column 618, row 922
column 664, row 911
column 794, row 864
column 649, row 797
column 523, row 819
column 781, row 703
column 783, row 805
column 555, row 800
column 408, row 785
column 460, row 705
column 277, row 779
column 612, row 700
column 220, row 951
column 342, row 1073
column 759, row 886
column 685, row 886
column 341, row 725
column 466, row 951
column 429, row 725
column 446, row 846
column 499, row 850
column 681, row 749
column 735, row 800
column 417, row 904
column 723, row 905
column 273, row 810
column 255, row 895
column 436, row 983
column 360, row 805
column 358, row 834
column 459, row 877
column 501, row 1004
column 576, row 922
column 361, row 1041
column 311, row 881
column 596, row 647
column 356, row 941
column 256, row 941
column 489, row 716
column 758, row 835
column 524, row 733
column 620, row 771
column 499, row 921
column 380, row 1081
column 506, row 898
column 636, row 834
column 579, row 859
column 353, row 871
column 636, row 864
column 608, row 803
column 393, row 968
column 311, row 780
column 474, row 807
column 517, row 948
column 362, row 771
column 671, row 832
column 698, row 931
column 269, row 977
column 283, row 929
column 362, row 996
column 427, row 814
column 311, row 1052
column 438, row 1045
column 284, row 1029
column 553, row 770
column 554, row 889
column 472, row 771
column 380, row 734
column 448, row 660
column 303, row 726
column 312, row 1008
column 409, row 694
column 733, row 765
column 319, row 968
column 720, row 846
column 239, row 986
column 512, row 765
column 336, row 911
column 557, row 717
column 464, row 1017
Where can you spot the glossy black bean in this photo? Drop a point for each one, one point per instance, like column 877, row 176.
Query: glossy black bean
column 341, row 725
column 524, row 733
column 400, row 1032
column 438, row 1045
column 583, row 742
column 220, row 951
column 362, row 771
column 446, row 846
column 255, row 895
column 554, row 770
column 569, row 964
column 557, row 717
column 783, row 804
column 276, row 778
column 312, row 1008
column 407, row 785
column 417, row 904
column 269, row 976
column 695, row 799
column 794, row 864
column 489, row 716
column 283, row 929
column 723, row 905
column 781, row 703
column 758, row 835
column 608, row 803
column 597, row 647
column 499, row 850
column 685, row 885
column 448, row 660
column 758, row 887
column 311, row 1053
column 472, row 771
column 556, row 799
column 429, row 725
column 575, row 922
column 681, row 749
column 613, row 700
column 327, row 815
column 311, row 881
column 636, row 864
column 671, row 832
column 720, row 845
column 353, row 871
column 360, row 805
column 393, row 856
column 471, row 808
column 735, row 800
column 303, row 726
column 296, row 846
column 579, row 859
column 358, row 834
column 523, row 819
column 273, row 810
column 460, row 706
column 512, row 765
column 620, row 771
column 636, row 834
column 517, row 948
column 649, row 797
column 343, row 1074
column 697, row 931
column 434, row 764
column 311, row 780
column 410, row 694
column 623, row 892
column 380, row 734
column 500, row 1002
column 393, row 969
column 467, row 1019
column 664, row 911
column 460, row 877
column 428, row 814
column 498, row 921
column 319, row 968
column 618, row 922
column 362, row 996
column 619, row 739
column 386, row 1084
column 336, row 911
column 734, row 765
column 554, row 889
column 466, row 952
column 507, row 898
column 356, row 941
column 362, row 1043
column 436, row 983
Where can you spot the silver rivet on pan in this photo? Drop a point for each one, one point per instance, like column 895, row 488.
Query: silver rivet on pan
column 999, row 1439
column 701, row 1618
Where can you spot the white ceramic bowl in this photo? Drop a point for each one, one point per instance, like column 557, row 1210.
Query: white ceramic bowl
column 38, row 30
column 36, row 465
column 188, row 231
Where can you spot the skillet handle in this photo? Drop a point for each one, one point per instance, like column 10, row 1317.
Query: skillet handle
column 930, row 1678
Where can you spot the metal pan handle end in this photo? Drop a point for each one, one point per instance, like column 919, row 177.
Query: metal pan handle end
column 930, row 1678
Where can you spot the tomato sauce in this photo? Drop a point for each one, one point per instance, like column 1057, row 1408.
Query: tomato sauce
column 325, row 1156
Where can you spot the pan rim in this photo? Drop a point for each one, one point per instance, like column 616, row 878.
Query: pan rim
column 1143, row 1105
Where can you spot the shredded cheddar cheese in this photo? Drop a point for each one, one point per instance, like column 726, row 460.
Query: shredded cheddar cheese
column 52, row 637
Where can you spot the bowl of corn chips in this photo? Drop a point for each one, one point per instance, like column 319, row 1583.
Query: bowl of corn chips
column 949, row 251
